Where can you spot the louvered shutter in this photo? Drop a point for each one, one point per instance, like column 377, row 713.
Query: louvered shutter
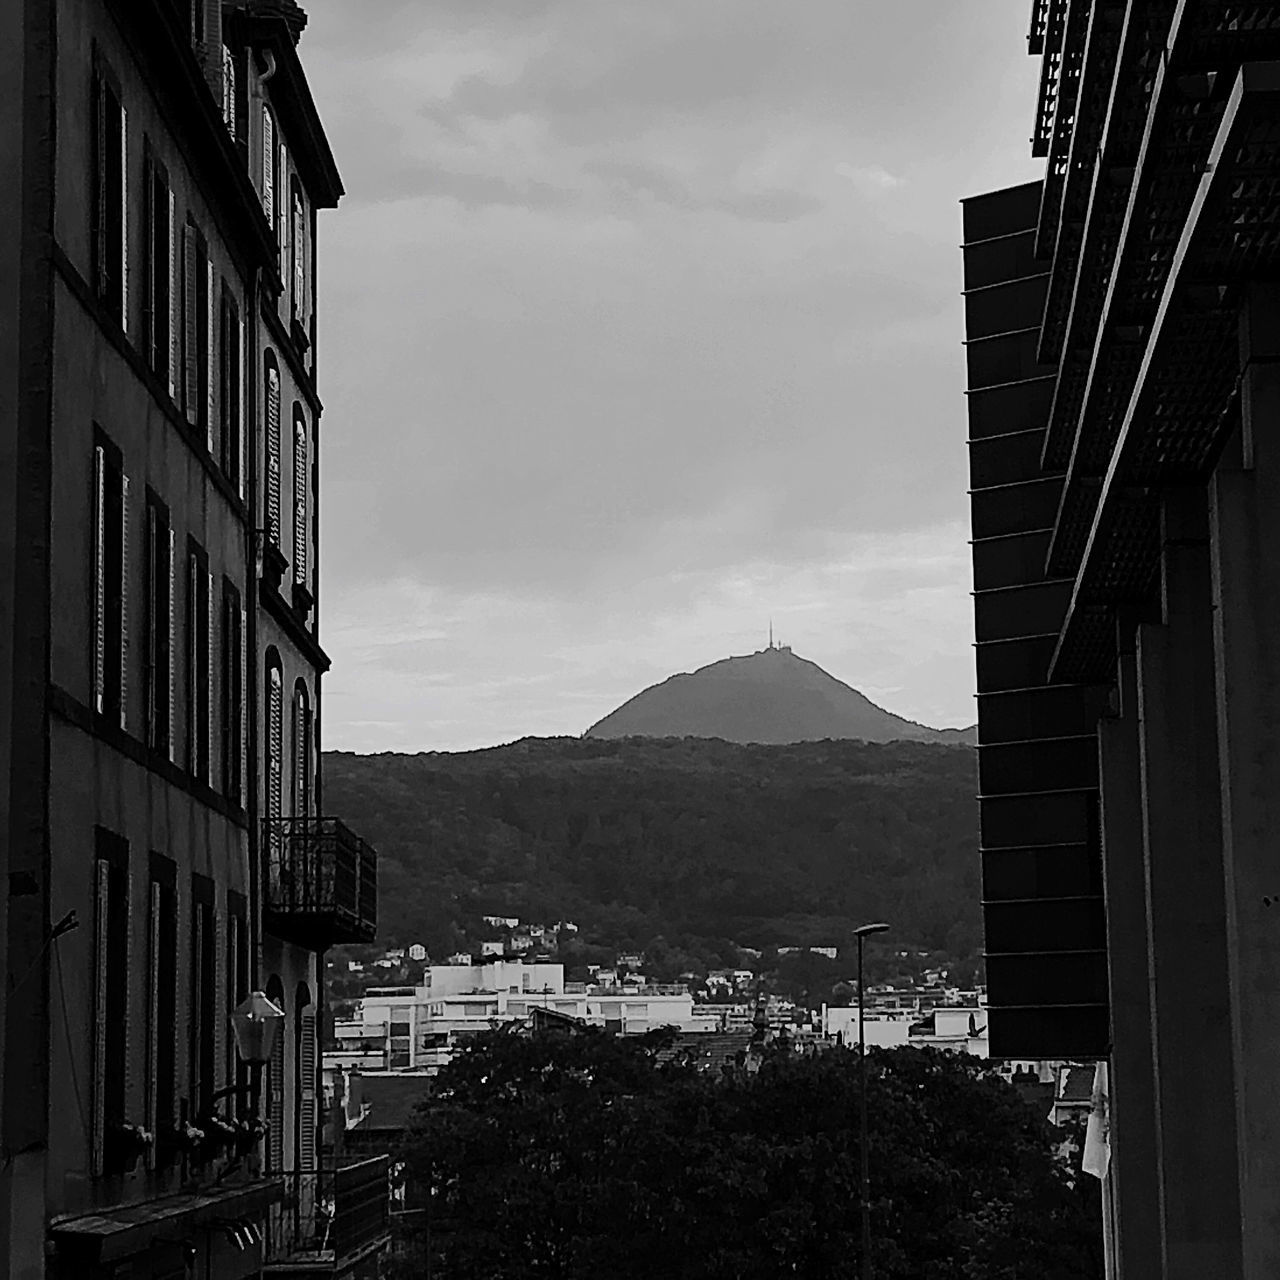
column 275, row 1107
column 193, row 664
column 273, row 455
column 229, row 90
column 124, row 219
column 101, row 962
column 175, row 295
column 210, row 667
column 190, row 326
column 275, row 745
column 210, row 352
column 307, row 1090
column 299, row 258
column 300, row 501
column 172, row 621
column 242, row 405
column 124, row 601
column 100, row 183
column 153, row 1013
column 269, row 166
column 282, row 215
column 99, row 579
column 241, row 721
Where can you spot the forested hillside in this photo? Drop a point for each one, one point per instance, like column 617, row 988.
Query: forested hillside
column 678, row 846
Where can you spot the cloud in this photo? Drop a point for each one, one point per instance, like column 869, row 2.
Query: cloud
column 626, row 304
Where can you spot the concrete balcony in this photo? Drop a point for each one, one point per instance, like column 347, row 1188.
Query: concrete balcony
column 322, row 882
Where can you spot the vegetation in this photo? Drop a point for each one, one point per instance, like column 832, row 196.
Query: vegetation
column 684, row 849
column 583, row 1155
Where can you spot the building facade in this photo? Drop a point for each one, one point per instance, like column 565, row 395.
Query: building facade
column 159, row 708
column 1123, row 328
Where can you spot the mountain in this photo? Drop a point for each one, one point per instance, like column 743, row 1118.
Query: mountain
column 676, row 847
column 771, row 696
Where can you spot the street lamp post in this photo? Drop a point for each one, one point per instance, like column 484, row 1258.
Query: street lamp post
column 864, row 1182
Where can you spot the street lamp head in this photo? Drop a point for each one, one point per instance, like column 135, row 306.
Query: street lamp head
column 865, row 930
column 255, row 1023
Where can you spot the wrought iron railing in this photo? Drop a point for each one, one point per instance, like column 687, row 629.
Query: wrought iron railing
column 330, row 1214
column 321, row 878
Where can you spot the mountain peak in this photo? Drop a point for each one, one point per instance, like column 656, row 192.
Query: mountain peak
column 772, row 696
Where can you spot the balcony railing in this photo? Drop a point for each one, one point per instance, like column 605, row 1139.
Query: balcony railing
column 330, row 1215
column 322, row 882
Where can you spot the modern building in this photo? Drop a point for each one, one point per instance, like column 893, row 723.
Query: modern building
column 420, row 1027
column 163, row 850
column 1123, row 327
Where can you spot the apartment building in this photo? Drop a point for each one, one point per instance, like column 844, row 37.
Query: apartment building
column 1123, row 341
column 164, row 850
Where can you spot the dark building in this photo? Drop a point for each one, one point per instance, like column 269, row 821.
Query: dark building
column 1123, row 325
column 163, row 850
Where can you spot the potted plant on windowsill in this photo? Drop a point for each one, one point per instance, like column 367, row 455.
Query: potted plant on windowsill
column 125, row 1145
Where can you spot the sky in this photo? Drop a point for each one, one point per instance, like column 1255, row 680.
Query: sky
column 640, row 325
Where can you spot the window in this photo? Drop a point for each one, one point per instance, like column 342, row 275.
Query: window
column 238, row 978
column 301, row 751
column 160, row 626
column 233, row 644
column 199, row 674
column 203, row 1024
column 282, row 211
column 269, row 166
column 109, row 232
column 299, row 497
column 272, row 415
column 159, row 262
column 229, row 390
column 162, row 999
column 110, row 994
column 197, row 331
column 110, row 581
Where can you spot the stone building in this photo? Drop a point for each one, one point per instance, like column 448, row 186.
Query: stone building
column 1123, row 326
column 163, row 848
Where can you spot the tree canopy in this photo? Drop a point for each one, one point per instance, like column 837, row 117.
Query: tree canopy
column 681, row 847
column 581, row 1155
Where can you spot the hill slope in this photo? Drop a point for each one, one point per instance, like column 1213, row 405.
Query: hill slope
column 771, row 696
column 695, row 842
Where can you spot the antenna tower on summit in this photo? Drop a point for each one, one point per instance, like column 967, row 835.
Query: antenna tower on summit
column 770, row 633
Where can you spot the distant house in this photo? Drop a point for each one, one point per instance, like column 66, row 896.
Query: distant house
column 502, row 922
column 459, row 957
column 830, row 952
column 521, row 942
column 493, row 948
column 630, row 959
column 395, row 953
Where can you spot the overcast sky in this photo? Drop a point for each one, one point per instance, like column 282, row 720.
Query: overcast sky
column 640, row 324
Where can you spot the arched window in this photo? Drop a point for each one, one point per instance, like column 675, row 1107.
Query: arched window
column 301, row 751
column 271, row 414
column 300, row 538
column 305, row 1083
column 273, row 1085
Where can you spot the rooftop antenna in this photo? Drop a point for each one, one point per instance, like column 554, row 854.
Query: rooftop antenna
column 770, row 633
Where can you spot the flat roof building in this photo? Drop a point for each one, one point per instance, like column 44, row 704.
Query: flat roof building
column 1123, row 353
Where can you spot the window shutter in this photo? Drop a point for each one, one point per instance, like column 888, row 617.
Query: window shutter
column 124, row 219
column 193, row 664
column 99, row 580
column 190, row 328
column 275, row 745
column 275, row 1107
column 299, row 252
column 273, row 455
column 210, row 360
column 124, row 601
column 307, row 1090
column 101, row 960
column 175, row 294
column 300, row 501
column 210, row 700
column 241, row 727
column 153, row 1015
column 242, row 409
column 282, row 218
column 229, row 90
column 269, row 166
column 173, row 737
